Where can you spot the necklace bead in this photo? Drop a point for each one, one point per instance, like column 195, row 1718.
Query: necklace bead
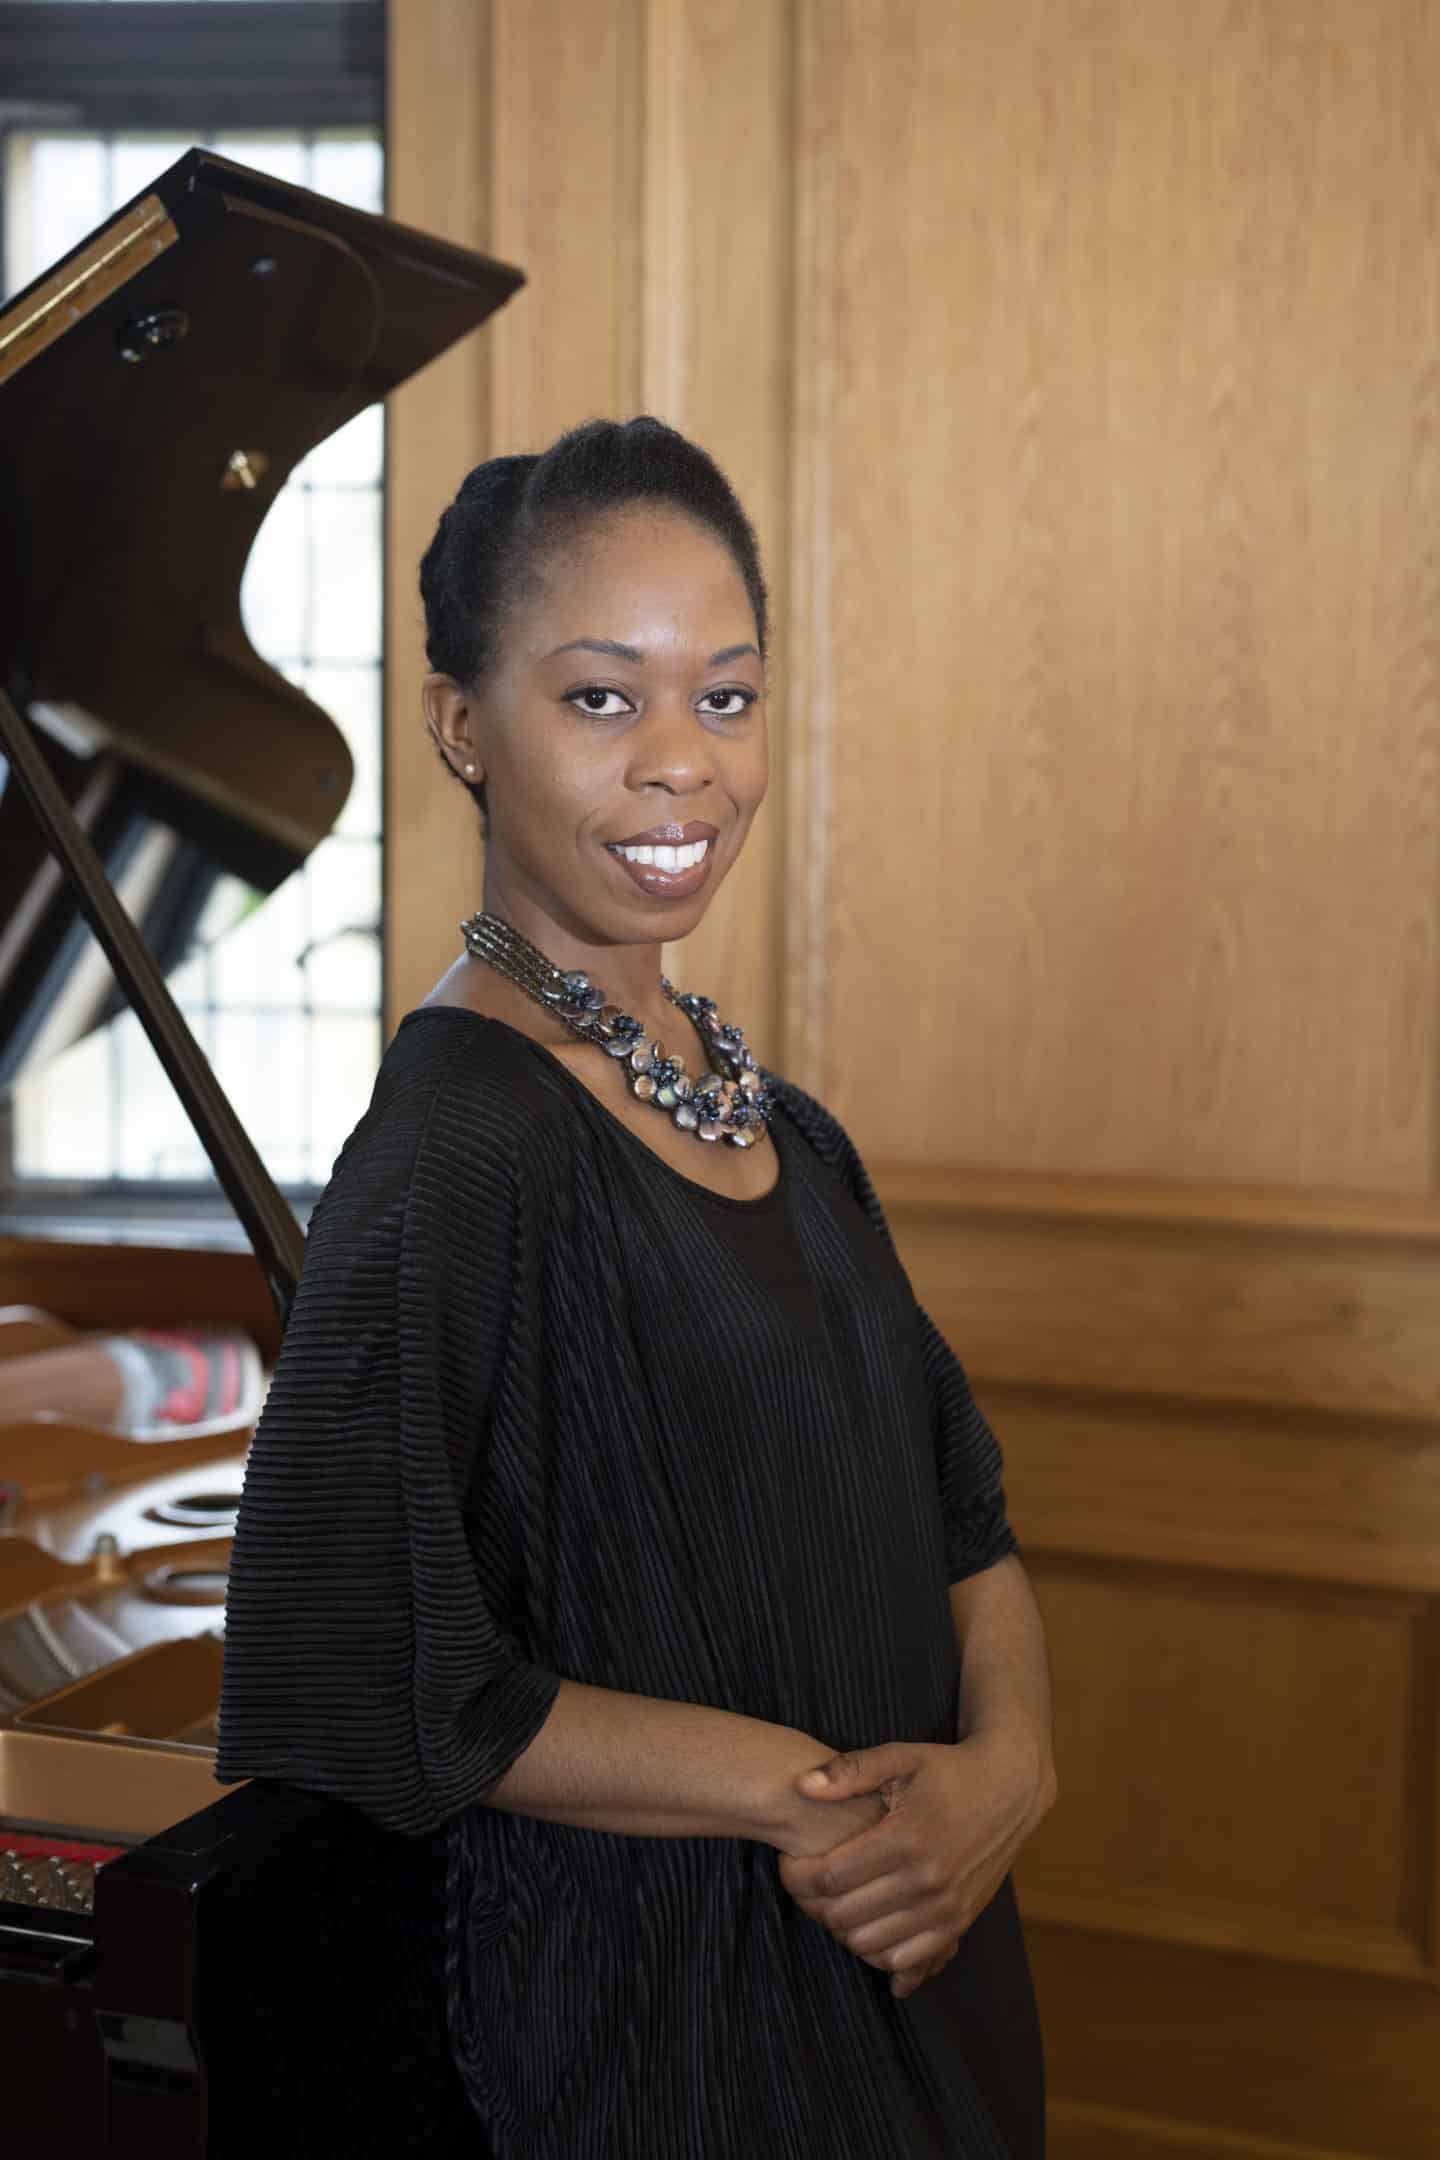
column 727, row 1101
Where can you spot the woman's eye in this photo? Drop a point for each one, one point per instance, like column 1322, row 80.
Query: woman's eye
column 727, row 702
column 595, row 698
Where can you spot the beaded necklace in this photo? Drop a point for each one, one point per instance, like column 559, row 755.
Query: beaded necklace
column 729, row 1101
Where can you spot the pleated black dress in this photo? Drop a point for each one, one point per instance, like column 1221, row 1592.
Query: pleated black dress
column 548, row 1408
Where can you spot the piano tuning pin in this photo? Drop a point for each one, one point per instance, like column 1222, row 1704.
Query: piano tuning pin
column 17, row 1884
column 71, row 1886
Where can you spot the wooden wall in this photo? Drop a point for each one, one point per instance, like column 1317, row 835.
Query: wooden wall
column 1080, row 361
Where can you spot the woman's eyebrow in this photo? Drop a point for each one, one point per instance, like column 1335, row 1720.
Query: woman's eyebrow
column 616, row 651
column 609, row 646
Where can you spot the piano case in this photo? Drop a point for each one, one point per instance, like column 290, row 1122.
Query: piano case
column 179, row 1975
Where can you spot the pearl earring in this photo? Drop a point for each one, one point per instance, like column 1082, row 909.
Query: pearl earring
column 469, row 772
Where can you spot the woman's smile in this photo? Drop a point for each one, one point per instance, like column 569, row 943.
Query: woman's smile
column 670, row 861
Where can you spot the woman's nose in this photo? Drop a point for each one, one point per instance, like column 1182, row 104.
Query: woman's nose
column 671, row 749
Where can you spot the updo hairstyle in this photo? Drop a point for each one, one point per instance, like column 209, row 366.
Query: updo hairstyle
column 511, row 512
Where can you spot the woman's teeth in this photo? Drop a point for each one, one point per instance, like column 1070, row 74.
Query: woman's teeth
column 666, row 858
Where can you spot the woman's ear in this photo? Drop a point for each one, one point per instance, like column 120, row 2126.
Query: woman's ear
column 449, row 710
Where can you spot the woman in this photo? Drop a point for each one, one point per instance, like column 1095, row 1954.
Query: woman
column 611, row 1482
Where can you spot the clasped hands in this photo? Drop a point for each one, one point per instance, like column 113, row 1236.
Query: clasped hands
column 902, row 1891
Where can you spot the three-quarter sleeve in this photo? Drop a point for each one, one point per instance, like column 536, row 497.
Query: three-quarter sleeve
column 367, row 1653
column 969, row 1464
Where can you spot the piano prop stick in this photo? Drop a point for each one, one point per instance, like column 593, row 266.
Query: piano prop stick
column 178, row 1974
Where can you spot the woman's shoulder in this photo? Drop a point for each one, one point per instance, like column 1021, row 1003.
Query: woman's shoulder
column 456, row 1054
column 457, row 1092
column 809, row 1115
column 828, row 1139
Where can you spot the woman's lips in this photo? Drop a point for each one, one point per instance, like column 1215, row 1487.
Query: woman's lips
column 667, row 883
column 673, row 835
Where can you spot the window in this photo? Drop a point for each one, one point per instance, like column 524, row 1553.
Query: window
column 282, row 992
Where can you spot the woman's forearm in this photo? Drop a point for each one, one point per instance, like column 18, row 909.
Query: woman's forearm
column 1004, row 1673
column 648, row 1767
column 606, row 1760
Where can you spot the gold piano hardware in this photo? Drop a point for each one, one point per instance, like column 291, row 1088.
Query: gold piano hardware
column 82, row 283
column 244, row 469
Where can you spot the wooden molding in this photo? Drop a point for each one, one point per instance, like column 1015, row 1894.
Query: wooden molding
column 1285, row 1937
column 666, row 286
column 1082, row 2131
column 945, row 1192
column 1283, row 1494
column 804, row 920
column 1118, row 1287
column 437, row 427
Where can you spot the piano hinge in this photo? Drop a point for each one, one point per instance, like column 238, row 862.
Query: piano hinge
column 79, row 285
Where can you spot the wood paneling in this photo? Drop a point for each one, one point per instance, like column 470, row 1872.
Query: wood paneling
column 438, row 178
column 1130, row 329
column 1197, row 2052
column 1080, row 2132
column 1087, row 412
column 1280, row 1495
column 1197, row 1304
column 567, row 149
column 1295, row 1722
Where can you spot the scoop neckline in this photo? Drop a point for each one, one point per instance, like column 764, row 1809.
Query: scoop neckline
column 771, row 1198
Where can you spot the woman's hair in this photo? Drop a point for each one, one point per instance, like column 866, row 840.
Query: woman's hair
column 511, row 512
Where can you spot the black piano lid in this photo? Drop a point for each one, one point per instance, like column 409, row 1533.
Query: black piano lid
column 156, row 389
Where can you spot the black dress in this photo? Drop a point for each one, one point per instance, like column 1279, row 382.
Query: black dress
column 548, row 1408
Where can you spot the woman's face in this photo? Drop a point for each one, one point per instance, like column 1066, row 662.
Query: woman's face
column 621, row 733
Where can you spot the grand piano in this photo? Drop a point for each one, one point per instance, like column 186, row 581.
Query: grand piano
column 182, row 1972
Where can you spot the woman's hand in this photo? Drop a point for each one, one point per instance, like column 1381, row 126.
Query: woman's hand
column 813, row 1830
column 902, row 1893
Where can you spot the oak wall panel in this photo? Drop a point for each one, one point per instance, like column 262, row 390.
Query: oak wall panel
column 567, row 151
column 1296, row 1722
column 1200, row 1306
column 1197, row 2052
column 1128, row 426
column 1283, row 1495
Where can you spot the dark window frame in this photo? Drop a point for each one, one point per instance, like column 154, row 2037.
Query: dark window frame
column 225, row 63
